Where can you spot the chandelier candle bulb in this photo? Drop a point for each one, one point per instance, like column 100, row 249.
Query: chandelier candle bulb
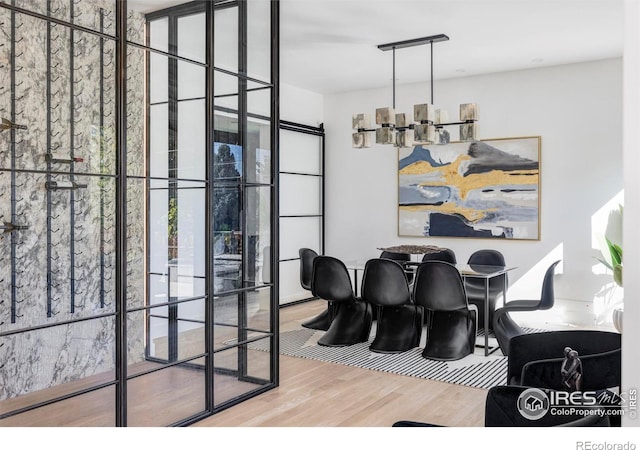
column 361, row 121
column 442, row 116
column 402, row 120
column 468, row 111
column 385, row 116
column 386, row 135
column 361, row 139
column 404, row 138
column 468, row 132
column 442, row 136
column 424, row 133
column 424, row 113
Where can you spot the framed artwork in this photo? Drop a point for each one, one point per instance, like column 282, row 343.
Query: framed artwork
column 484, row 189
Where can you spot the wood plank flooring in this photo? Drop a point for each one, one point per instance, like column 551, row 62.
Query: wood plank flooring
column 321, row 394
column 311, row 394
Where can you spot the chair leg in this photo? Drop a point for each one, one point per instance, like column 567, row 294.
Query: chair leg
column 323, row 320
column 398, row 330
column 505, row 328
column 451, row 336
column 351, row 325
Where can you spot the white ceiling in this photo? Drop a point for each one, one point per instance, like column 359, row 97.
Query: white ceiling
column 330, row 46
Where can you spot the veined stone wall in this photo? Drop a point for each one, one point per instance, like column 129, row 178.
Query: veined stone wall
column 62, row 267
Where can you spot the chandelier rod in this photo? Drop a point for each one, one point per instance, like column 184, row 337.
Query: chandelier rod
column 394, row 77
column 432, row 73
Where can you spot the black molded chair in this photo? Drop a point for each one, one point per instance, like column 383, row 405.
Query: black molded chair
column 446, row 255
column 401, row 258
column 451, row 329
column 322, row 320
column 535, row 359
column 306, row 267
column 399, row 326
column 476, row 288
column 395, row 256
column 353, row 319
column 505, row 327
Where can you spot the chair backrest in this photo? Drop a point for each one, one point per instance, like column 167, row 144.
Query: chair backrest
column 438, row 287
column 384, row 283
column 446, row 255
column 488, row 257
column 547, row 297
column 330, row 280
column 306, row 267
column 395, row 256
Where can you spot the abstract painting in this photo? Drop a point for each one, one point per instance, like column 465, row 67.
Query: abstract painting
column 485, row 189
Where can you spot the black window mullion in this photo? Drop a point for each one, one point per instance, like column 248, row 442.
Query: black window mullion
column 121, row 214
column 172, row 331
column 243, row 137
column 209, row 220
column 275, row 191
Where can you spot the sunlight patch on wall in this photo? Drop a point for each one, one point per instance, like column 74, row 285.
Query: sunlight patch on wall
column 529, row 287
column 606, row 222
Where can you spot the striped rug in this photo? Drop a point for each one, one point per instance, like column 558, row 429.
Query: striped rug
column 475, row 370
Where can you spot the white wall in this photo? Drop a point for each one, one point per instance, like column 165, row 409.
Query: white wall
column 576, row 109
column 300, row 105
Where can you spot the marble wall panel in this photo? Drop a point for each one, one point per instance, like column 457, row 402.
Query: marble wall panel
column 81, row 226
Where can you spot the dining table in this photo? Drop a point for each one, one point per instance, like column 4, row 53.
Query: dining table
column 477, row 271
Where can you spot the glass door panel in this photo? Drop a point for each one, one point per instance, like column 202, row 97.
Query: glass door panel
column 164, row 397
column 301, row 232
column 225, row 38
column 301, row 203
column 121, row 219
column 57, row 204
column 95, row 409
column 44, row 365
column 258, row 37
column 300, row 153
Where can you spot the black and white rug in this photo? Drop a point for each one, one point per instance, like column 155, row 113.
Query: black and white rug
column 475, row 370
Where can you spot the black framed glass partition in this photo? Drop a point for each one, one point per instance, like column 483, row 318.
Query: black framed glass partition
column 139, row 203
column 301, row 203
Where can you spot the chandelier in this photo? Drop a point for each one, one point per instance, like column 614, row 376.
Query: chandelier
column 429, row 122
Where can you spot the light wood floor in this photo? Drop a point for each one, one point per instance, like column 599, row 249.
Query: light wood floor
column 321, row 394
column 311, row 393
